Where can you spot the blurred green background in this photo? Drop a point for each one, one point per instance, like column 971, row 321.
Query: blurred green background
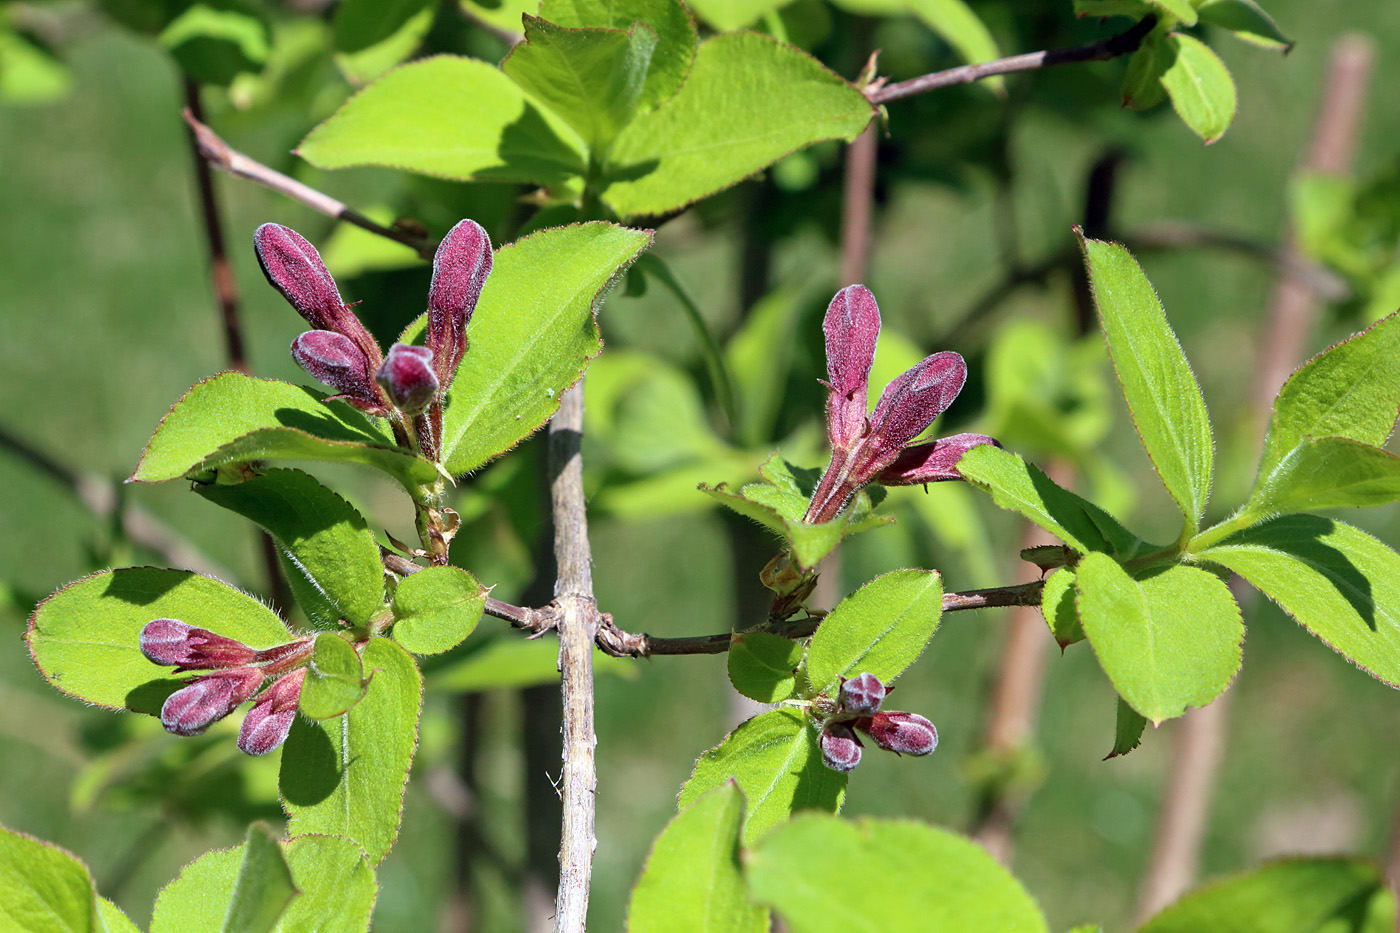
column 107, row 316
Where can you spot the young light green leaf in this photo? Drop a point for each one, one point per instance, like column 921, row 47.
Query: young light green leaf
column 1200, row 86
column 113, row 919
column 85, row 638
column 1285, row 897
column 776, row 760
column 338, row 573
column 763, row 667
column 1142, row 83
column 691, row 882
column 1162, row 393
column 772, row 507
column 896, row 876
column 214, row 42
column 1057, row 606
column 436, row 608
column 263, row 888
column 1183, row 10
column 233, row 418
column 1169, row 640
column 675, row 32
column 749, row 101
column 1247, row 20
column 33, row 74
column 532, row 335
column 511, row 661
column 1127, row 732
column 346, row 777
column 42, row 887
column 1350, row 390
column 731, row 15
column 880, row 629
column 592, row 78
column 1342, row 584
column 336, row 882
column 1022, row 487
column 335, row 679
column 451, row 117
column 372, row 36
column 1327, row 473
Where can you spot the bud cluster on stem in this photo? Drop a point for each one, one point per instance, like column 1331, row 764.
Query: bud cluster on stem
column 858, row 710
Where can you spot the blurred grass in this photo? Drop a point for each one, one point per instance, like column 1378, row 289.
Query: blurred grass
column 106, row 317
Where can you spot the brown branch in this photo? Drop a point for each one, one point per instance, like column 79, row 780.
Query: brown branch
column 217, row 153
column 1124, row 43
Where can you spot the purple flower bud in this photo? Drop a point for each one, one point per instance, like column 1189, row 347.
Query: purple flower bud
column 407, row 376
column 910, row 403
column 904, row 733
column 336, row 361
column 172, row 642
column 190, row 710
column 460, row 267
column 862, row 694
column 268, row 722
column 934, row 462
column 295, row 269
column 851, row 326
column 840, row 747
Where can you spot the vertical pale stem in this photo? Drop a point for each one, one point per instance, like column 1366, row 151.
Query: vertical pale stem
column 1175, row 857
column 578, row 626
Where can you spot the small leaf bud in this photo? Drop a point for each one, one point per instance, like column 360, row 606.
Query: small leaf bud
column 268, row 722
column 862, row 694
column 407, row 377
column 840, row 747
column 904, row 733
column 191, row 710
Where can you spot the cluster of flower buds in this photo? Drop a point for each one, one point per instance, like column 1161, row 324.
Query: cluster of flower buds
column 238, row 672
column 876, row 447
column 411, row 380
column 859, row 711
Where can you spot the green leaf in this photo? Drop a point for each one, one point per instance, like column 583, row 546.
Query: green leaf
column 1142, row 83
column 336, row 569
column 113, row 919
column 1022, row 487
column 511, row 661
column 675, row 32
column 1328, row 473
column 1162, row 393
column 592, row 78
column 1200, row 86
column 29, row 71
column 749, row 101
column 880, row 629
column 1169, row 640
column 533, row 333
column 759, row 357
column 1127, row 731
column 452, row 117
column 763, row 667
column 1057, row 606
column 346, row 777
column 335, row 679
column 1350, row 390
column 1183, row 10
column 776, row 760
column 372, row 36
column 85, row 638
column 232, row 419
column 436, row 608
column 730, row 15
column 1342, row 584
column 1287, row 896
column 692, row 881
column 961, row 28
column 43, row 888
column 336, row 882
column 263, row 888
column 896, row 876
column 213, row 41
column 1247, row 20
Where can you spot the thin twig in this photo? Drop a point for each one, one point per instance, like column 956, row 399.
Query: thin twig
column 221, row 156
column 1172, row 865
column 1124, row 43
column 577, row 625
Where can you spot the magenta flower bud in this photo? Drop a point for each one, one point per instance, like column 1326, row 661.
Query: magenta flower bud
column 172, row 642
column 904, row 733
column 910, row 403
column 851, row 326
column 460, row 267
column 268, row 722
column 408, row 378
column 335, row 360
column 862, row 694
column 295, row 269
column 840, row 747
column 190, row 710
column 934, row 462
